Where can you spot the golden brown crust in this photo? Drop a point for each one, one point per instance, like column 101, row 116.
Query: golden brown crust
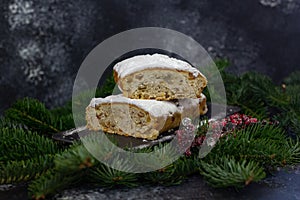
column 202, row 107
column 116, row 77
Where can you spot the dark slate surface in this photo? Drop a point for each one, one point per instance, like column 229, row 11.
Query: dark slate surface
column 42, row 43
column 283, row 185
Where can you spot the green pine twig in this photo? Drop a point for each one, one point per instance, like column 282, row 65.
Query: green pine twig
column 108, row 177
column 225, row 171
column 34, row 115
column 18, row 144
column 25, row 170
column 52, row 182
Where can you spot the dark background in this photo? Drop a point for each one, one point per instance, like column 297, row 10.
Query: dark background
column 42, row 43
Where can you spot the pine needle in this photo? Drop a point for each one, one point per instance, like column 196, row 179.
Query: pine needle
column 19, row 144
column 227, row 171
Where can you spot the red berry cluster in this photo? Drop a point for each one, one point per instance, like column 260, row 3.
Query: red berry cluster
column 241, row 118
column 237, row 120
column 219, row 128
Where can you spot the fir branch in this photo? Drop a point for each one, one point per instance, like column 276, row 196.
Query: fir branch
column 262, row 87
column 65, row 115
column 63, row 110
column 289, row 114
column 175, row 173
column 34, row 115
column 289, row 120
column 51, row 183
column 238, row 92
column 18, row 144
column 257, row 95
column 6, row 123
column 66, row 122
column 108, row 177
column 77, row 159
column 294, row 151
column 24, row 170
column 186, row 166
column 165, row 176
column 156, row 157
column 267, row 145
column 224, row 171
column 74, row 159
column 260, row 113
column 222, row 64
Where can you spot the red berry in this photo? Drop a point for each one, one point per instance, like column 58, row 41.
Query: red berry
column 198, row 141
column 214, row 125
column 224, row 122
column 188, row 152
column 233, row 121
column 239, row 121
column 245, row 117
column 231, row 117
column 247, row 122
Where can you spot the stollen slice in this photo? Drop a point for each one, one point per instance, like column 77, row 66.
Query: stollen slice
column 158, row 77
column 138, row 117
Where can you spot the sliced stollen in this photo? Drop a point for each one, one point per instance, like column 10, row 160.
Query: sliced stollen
column 158, row 77
column 140, row 118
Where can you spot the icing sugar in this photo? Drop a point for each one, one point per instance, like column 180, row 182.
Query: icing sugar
column 155, row 108
column 141, row 62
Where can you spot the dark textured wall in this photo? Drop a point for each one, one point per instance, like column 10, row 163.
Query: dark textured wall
column 42, row 43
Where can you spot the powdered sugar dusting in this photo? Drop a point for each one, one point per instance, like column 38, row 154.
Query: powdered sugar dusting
column 141, row 62
column 155, row 108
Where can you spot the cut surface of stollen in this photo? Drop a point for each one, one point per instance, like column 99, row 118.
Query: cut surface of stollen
column 158, row 77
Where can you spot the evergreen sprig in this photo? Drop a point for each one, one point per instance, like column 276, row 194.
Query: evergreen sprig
column 165, row 176
column 225, row 171
column 293, row 146
column 35, row 116
column 52, row 182
column 8, row 123
column 18, row 144
column 74, row 159
column 289, row 111
column 108, row 177
column 24, row 155
column 259, row 97
column 267, row 145
column 24, row 170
